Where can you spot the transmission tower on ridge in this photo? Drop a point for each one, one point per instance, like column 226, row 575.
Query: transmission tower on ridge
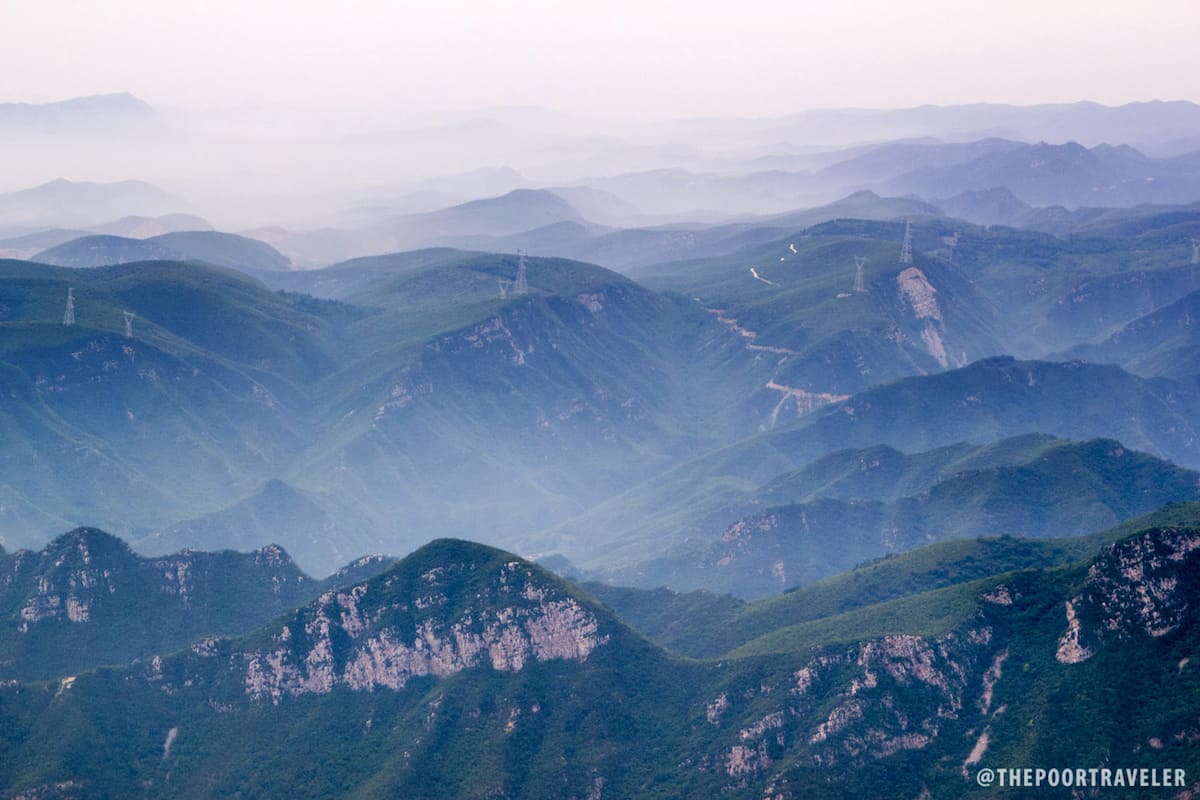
column 519, row 286
column 859, row 285
column 906, row 246
column 69, row 314
column 129, row 315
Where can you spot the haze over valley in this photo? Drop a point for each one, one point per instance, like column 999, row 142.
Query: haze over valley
column 449, row 403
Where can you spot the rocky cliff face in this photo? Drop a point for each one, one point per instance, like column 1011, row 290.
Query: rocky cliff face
column 428, row 616
column 1145, row 585
column 87, row 568
column 952, row 699
column 385, row 640
column 87, row 599
column 919, row 295
column 847, row 707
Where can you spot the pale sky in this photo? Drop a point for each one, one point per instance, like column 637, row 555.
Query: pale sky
column 631, row 59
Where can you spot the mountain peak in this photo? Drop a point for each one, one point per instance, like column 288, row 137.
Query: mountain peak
column 449, row 549
column 108, row 102
column 450, row 606
column 88, row 541
column 527, row 200
column 273, row 555
column 88, row 599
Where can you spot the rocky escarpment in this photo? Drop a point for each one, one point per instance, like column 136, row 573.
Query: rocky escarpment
column 454, row 615
column 87, row 569
column 856, row 705
column 910, row 698
column 1142, row 586
column 919, row 295
column 87, row 599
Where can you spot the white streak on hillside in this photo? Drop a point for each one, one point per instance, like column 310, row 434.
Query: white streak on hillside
column 758, row 277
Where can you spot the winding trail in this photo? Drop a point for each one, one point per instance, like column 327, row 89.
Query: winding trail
column 732, row 324
column 758, row 277
column 806, row 402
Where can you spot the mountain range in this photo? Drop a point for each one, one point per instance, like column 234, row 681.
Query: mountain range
column 86, row 600
column 75, row 204
column 369, row 405
column 389, row 683
column 211, row 247
column 321, row 394
column 669, row 515
column 845, row 453
column 79, row 116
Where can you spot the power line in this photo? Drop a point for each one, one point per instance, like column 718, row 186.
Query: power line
column 520, row 286
column 69, row 314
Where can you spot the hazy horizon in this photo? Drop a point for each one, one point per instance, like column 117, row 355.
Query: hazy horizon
column 313, row 115
column 643, row 62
